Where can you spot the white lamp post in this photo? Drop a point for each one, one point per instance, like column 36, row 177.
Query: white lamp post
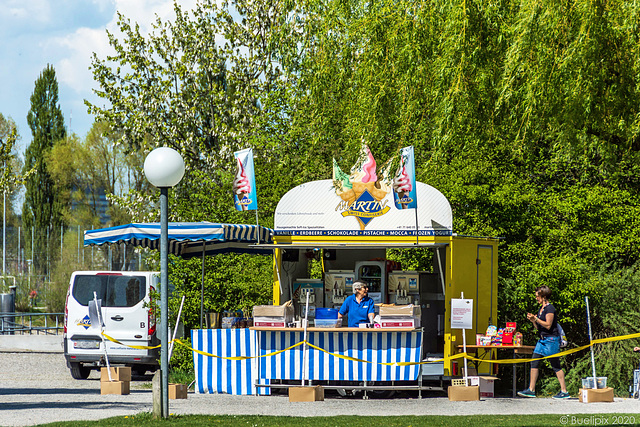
column 164, row 168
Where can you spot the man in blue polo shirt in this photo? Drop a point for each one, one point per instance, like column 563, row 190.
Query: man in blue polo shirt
column 358, row 306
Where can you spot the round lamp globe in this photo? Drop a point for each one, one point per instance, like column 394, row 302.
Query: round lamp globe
column 164, row 167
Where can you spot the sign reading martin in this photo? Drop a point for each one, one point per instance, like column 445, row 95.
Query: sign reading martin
column 362, row 203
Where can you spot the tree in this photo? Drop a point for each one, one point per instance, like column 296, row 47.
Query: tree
column 86, row 172
column 183, row 89
column 42, row 208
column 10, row 179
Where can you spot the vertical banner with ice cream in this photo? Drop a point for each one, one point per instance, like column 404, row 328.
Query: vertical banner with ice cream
column 404, row 188
column 244, row 184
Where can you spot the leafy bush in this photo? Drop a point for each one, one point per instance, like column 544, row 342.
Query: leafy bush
column 615, row 313
column 231, row 282
column 182, row 357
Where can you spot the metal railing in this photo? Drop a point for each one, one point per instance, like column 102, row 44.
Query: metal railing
column 31, row 323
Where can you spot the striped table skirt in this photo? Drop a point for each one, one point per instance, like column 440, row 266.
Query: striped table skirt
column 373, row 346
column 215, row 375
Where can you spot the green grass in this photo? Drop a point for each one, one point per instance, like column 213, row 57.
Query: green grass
column 181, row 377
column 146, row 419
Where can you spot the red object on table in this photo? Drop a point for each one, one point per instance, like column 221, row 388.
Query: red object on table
column 507, row 338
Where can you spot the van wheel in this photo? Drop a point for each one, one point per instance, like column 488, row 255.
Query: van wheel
column 79, row 372
column 140, row 370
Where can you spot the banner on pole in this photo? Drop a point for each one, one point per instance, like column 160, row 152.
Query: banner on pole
column 244, row 184
column 404, row 182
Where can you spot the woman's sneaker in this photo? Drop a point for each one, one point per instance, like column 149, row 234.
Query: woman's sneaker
column 526, row 393
column 562, row 395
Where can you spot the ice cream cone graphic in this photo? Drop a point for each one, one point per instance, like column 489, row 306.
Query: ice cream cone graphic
column 241, row 186
column 348, row 196
column 343, row 185
column 362, row 190
column 401, row 196
column 402, row 186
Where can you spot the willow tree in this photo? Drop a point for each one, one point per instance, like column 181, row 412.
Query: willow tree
column 526, row 115
column 41, row 208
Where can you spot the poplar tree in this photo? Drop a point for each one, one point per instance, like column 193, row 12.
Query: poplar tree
column 41, row 206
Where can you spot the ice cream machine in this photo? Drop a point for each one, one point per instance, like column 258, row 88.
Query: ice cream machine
column 314, row 288
column 338, row 285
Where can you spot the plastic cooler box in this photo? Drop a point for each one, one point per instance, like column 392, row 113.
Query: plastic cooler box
column 327, row 318
column 326, row 313
column 327, row 323
column 588, row 382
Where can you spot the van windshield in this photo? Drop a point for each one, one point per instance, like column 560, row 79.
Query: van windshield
column 113, row 290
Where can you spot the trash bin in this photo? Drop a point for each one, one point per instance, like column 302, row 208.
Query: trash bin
column 7, row 312
column 214, row 320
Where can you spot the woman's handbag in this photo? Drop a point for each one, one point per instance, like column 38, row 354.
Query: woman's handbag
column 563, row 337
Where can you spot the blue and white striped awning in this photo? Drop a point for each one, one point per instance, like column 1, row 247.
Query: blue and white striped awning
column 186, row 239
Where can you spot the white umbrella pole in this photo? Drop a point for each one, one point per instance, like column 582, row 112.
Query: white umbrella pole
column 304, row 334
column 464, row 348
column 104, row 343
column 202, row 287
column 593, row 360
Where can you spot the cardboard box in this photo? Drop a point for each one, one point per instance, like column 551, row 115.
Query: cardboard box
column 121, row 373
column 273, row 316
column 485, row 383
column 392, row 310
column 590, row 395
column 306, row 394
column 459, row 393
column 400, row 322
column 285, row 310
column 114, row 387
column 270, row 322
column 177, row 391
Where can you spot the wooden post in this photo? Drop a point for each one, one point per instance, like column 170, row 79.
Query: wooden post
column 157, row 395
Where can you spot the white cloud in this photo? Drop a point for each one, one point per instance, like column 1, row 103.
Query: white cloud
column 64, row 33
column 73, row 68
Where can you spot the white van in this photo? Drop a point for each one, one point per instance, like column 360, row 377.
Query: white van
column 126, row 316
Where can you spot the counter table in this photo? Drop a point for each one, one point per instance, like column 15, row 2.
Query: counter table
column 339, row 369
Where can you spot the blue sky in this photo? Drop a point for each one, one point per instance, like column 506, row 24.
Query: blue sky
column 63, row 33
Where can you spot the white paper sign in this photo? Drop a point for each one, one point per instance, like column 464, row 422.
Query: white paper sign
column 461, row 314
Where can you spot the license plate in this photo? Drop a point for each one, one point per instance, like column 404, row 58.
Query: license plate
column 89, row 344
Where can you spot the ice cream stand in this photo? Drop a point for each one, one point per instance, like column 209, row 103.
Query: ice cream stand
column 350, row 222
column 351, row 234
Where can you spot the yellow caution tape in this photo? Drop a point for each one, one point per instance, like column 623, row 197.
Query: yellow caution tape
column 138, row 347
column 354, row 359
column 237, row 357
column 340, row 356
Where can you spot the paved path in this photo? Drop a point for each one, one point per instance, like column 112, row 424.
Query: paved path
column 37, row 388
